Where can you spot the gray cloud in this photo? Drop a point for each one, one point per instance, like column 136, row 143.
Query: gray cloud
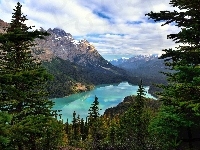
column 115, row 28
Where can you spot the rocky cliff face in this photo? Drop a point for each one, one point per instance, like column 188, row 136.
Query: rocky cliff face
column 64, row 46
column 3, row 25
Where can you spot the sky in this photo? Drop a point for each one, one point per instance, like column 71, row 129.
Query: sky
column 117, row 28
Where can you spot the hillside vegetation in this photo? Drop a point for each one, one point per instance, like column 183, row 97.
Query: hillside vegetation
column 68, row 76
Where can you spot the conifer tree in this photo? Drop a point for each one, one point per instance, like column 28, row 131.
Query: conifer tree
column 76, row 129
column 86, row 129
column 94, row 110
column 134, row 123
column 82, row 130
column 23, row 87
column 140, row 126
column 182, row 94
column 4, row 129
column 95, row 124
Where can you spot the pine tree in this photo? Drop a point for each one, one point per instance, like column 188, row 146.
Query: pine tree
column 182, row 94
column 22, row 88
column 4, row 129
column 140, row 126
column 134, row 123
column 94, row 110
column 95, row 124
column 23, row 85
column 75, row 129
column 82, row 130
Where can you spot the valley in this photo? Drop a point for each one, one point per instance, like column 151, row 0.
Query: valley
column 73, row 63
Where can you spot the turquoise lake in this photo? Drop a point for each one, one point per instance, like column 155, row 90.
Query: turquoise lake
column 109, row 95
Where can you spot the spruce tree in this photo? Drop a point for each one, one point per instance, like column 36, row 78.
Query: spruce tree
column 94, row 123
column 23, row 80
column 23, row 89
column 134, row 123
column 4, row 129
column 182, row 94
column 76, row 129
column 140, row 120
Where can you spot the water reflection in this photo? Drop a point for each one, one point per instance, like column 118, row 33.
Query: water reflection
column 108, row 96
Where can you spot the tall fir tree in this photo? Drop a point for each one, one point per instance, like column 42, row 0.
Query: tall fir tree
column 95, row 124
column 133, row 129
column 182, row 94
column 23, row 80
column 23, row 89
column 4, row 129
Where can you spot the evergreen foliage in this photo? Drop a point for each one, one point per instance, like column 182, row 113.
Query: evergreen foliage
column 23, row 90
column 26, row 118
column 133, row 129
column 5, row 119
column 95, row 124
column 181, row 97
column 66, row 75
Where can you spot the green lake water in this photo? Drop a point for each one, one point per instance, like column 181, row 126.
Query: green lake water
column 109, row 95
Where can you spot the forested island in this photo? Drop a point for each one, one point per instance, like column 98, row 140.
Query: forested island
column 27, row 121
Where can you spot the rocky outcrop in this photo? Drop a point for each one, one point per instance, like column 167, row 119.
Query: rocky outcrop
column 64, row 46
column 3, row 25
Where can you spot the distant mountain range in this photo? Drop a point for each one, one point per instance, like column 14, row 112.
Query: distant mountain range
column 143, row 66
column 146, row 67
column 135, row 60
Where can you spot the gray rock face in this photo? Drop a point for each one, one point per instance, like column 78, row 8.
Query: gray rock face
column 64, row 46
column 2, row 26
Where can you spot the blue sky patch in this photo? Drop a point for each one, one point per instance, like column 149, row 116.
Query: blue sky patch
column 102, row 15
column 134, row 22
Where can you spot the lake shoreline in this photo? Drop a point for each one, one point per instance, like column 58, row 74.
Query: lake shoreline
column 109, row 95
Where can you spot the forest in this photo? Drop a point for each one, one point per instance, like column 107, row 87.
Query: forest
column 27, row 121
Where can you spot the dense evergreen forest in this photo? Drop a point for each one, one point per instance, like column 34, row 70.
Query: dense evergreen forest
column 27, row 121
column 67, row 74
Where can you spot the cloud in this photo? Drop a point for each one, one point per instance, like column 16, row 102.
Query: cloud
column 116, row 28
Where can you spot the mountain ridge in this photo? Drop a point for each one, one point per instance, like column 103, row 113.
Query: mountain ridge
column 146, row 67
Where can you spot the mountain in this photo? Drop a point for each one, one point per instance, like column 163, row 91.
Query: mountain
column 64, row 46
column 133, row 62
column 75, row 63
column 117, row 62
column 146, row 67
column 143, row 66
column 3, row 25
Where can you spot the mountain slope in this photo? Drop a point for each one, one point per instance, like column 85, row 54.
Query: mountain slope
column 146, row 67
column 69, row 75
column 64, row 46
column 75, row 62
column 123, row 106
